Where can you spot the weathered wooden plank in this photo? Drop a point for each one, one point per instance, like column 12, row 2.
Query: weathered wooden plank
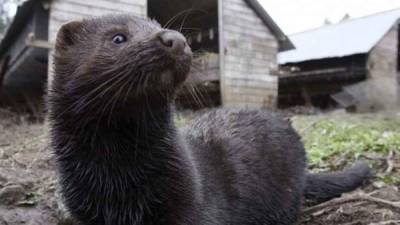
column 253, row 50
column 260, row 92
column 248, row 105
column 249, row 61
column 94, row 11
column 248, row 99
column 98, row 7
column 234, row 33
column 250, row 55
column 252, row 81
column 65, row 10
column 232, row 16
column 139, row 2
column 240, row 29
column 237, row 33
column 256, row 77
column 243, row 69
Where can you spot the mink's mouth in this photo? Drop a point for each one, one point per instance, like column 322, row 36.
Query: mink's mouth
column 167, row 78
column 178, row 55
column 175, row 73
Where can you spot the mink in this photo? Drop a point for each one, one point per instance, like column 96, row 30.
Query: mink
column 122, row 161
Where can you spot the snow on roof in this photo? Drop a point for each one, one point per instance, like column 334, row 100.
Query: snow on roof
column 354, row 36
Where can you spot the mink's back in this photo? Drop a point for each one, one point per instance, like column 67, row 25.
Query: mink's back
column 251, row 165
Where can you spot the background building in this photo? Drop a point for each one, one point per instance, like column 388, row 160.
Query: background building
column 354, row 64
column 238, row 39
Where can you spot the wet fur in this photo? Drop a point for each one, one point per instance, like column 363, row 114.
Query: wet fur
column 123, row 162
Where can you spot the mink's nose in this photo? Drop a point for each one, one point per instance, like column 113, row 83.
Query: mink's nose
column 174, row 42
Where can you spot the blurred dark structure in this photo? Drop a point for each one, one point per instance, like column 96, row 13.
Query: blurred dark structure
column 236, row 44
column 353, row 64
column 23, row 61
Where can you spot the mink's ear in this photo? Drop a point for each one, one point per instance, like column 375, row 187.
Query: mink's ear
column 67, row 35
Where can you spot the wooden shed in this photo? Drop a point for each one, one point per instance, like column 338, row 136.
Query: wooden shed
column 237, row 39
column 354, row 64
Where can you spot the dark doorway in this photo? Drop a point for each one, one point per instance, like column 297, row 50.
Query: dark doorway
column 198, row 21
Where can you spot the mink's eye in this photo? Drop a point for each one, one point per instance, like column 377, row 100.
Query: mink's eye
column 119, row 39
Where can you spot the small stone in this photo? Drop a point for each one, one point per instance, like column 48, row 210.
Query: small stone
column 3, row 180
column 11, row 194
column 3, row 154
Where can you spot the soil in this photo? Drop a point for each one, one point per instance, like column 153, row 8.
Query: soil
column 28, row 186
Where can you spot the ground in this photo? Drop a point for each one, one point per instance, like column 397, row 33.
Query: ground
column 28, row 187
column 336, row 140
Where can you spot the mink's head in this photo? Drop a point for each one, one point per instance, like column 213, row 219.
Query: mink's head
column 116, row 60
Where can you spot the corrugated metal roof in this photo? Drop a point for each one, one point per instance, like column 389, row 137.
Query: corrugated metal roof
column 355, row 36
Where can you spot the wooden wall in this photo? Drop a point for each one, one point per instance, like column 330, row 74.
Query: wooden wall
column 383, row 86
column 62, row 11
column 248, row 52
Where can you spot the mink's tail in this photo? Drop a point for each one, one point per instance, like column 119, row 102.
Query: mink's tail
column 325, row 186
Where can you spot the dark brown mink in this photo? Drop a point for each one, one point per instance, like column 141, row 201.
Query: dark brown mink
column 122, row 161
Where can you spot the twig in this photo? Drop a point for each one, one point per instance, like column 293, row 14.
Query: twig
column 360, row 197
column 353, row 223
column 374, row 157
column 390, row 163
column 386, row 222
column 390, row 204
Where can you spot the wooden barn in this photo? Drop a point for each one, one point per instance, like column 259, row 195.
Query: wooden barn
column 237, row 39
column 354, row 64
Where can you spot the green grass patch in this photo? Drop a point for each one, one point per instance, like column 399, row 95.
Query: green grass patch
column 330, row 135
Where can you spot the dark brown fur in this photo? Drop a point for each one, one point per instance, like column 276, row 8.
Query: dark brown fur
column 123, row 162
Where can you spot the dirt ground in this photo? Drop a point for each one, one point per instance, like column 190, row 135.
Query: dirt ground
column 28, row 187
